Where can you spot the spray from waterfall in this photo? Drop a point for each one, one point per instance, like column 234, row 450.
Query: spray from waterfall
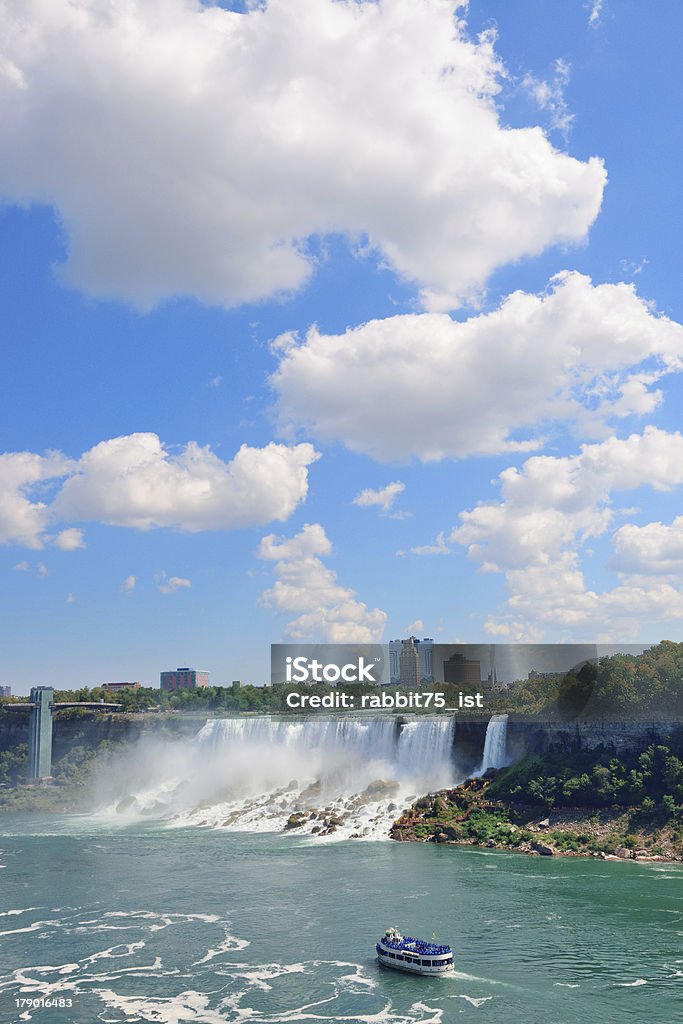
column 344, row 775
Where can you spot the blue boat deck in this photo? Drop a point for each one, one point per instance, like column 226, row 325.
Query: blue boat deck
column 417, row 946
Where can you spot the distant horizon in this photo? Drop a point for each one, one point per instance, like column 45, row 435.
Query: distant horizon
column 525, row 658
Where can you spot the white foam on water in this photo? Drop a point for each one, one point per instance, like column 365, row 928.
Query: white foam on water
column 461, row 976
column 476, row 1002
column 187, row 1006
column 260, row 977
column 36, row 926
column 230, row 944
column 631, row 984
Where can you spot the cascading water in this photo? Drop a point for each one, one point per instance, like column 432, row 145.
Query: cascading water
column 425, row 751
column 495, row 744
column 345, row 775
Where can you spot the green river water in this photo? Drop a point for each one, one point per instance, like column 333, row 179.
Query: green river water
column 146, row 923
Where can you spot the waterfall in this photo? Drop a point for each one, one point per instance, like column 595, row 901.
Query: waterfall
column 346, row 775
column 368, row 738
column 425, row 750
column 495, row 744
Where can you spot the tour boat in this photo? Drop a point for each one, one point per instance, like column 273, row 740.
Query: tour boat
column 414, row 955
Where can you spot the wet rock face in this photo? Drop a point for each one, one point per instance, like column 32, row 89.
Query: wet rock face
column 295, row 820
column 623, row 853
column 543, row 849
column 380, row 789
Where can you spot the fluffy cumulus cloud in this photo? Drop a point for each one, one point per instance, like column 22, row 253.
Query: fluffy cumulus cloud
column 425, row 385
column 307, row 591
column 139, row 482
column 653, row 549
column 384, row 497
column 192, row 150
column 136, row 481
column 549, row 509
column 24, row 477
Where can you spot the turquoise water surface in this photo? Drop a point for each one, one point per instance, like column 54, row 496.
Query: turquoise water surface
column 143, row 923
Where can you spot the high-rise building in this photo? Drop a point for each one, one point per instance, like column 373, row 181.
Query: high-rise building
column 409, row 663
column 121, row 686
column 5, row 691
column 458, row 669
column 184, row 679
column 425, row 653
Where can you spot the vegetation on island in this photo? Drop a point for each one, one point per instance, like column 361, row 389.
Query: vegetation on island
column 573, row 802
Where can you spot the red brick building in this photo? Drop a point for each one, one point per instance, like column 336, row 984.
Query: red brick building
column 184, row 679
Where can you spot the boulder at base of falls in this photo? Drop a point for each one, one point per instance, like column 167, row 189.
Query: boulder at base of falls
column 295, row 820
column 543, row 849
column 623, row 853
column 380, row 789
column 125, row 804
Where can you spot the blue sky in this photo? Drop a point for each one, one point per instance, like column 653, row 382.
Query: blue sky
column 297, row 228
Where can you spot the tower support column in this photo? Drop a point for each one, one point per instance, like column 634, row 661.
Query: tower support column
column 40, row 733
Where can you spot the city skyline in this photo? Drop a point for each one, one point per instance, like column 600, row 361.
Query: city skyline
column 379, row 337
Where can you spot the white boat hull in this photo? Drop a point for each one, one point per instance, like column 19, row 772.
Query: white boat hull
column 413, row 963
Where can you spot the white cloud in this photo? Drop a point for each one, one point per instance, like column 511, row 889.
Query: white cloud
column 384, row 497
column 549, row 509
column 137, row 481
column 595, row 13
column 23, row 475
column 70, row 540
column 308, row 590
column 192, row 150
column 551, row 502
column 440, row 547
column 431, row 387
column 42, row 569
column 129, row 584
column 550, row 96
column 172, row 584
column 415, row 628
column 653, row 549
column 22, row 567
column 70, row 599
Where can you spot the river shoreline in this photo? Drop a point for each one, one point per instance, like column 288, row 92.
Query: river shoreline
column 465, row 817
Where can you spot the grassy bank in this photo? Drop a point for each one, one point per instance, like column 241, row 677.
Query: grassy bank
column 450, row 817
